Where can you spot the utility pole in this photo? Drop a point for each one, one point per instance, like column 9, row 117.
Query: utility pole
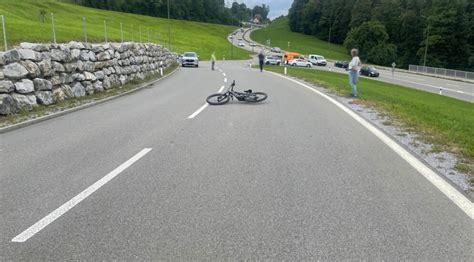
column 426, row 46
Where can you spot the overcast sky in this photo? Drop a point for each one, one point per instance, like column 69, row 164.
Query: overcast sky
column 277, row 7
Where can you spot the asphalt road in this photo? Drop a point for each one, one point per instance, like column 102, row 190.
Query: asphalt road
column 452, row 88
column 292, row 178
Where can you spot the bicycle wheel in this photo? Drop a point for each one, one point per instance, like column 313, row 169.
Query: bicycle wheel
column 217, row 99
column 256, row 97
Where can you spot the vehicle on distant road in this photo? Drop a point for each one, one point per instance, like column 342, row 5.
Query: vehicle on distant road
column 341, row 64
column 276, row 50
column 241, row 44
column 290, row 56
column 369, row 71
column 190, row 59
column 253, row 44
column 317, row 60
column 299, row 62
column 272, row 60
column 240, row 38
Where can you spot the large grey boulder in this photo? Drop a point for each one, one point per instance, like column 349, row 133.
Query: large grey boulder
column 89, row 66
column 11, row 56
column 25, row 86
column 6, row 86
column 123, row 80
column 90, row 76
column 28, row 54
column 75, row 54
column 78, row 89
column 58, row 94
column 97, row 48
column 98, row 87
column 58, row 55
column 100, row 75
column 102, row 56
column 46, row 68
column 107, row 83
column 42, row 84
column 15, row 71
column 7, row 104
column 32, row 68
column 23, row 102
column 2, row 76
column 58, row 67
column 67, row 78
column 35, row 47
column 67, row 91
column 89, row 87
column 76, row 45
column 57, row 80
column 45, row 97
column 78, row 77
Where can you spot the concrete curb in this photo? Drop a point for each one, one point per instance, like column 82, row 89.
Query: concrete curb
column 74, row 109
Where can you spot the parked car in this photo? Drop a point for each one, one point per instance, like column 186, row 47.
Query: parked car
column 341, row 64
column 190, row 59
column 271, row 60
column 276, row 50
column 317, row 60
column 369, row 71
column 299, row 62
column 241, row 44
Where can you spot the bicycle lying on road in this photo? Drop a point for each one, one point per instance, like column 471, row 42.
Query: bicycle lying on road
column 247, row 96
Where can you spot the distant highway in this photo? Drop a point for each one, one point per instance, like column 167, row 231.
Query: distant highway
column 452, row 88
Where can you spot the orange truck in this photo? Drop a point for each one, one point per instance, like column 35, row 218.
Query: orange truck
column 290, row 56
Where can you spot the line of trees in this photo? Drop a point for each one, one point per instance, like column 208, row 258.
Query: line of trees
column 211, row 11
column 393, row 30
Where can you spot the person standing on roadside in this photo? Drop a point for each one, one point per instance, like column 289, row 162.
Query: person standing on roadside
column 213, row 60
column 354, row 67
column 261, row 59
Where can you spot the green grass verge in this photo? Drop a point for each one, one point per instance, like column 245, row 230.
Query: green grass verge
column 23, row 24
column 280, row 34
column 445, row 122
column 41, row 110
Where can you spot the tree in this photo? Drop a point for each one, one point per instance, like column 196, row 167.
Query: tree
column 371, row 39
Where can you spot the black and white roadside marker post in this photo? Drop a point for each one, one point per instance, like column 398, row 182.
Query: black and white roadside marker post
column 4, row 34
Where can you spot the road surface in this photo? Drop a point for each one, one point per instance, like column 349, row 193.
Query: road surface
column 158, row 175
column 452, row 88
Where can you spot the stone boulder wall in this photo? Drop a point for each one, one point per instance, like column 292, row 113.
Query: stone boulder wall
column 44, row 74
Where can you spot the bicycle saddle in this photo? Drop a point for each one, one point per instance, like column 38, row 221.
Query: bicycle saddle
column 248, row 91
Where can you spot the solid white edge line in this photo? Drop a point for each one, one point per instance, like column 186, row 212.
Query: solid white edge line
column 198, row 111
column 221, row 89
column 225, row 80
column 51, row 217
column 448, row 190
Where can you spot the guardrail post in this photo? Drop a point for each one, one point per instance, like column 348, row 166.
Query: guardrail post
column 140, row 32
column 84, row 25
column 4, row 33
column 53, row 28
column 133, row 37
column 148, row 29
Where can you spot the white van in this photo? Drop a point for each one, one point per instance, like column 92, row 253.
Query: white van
column 317, row 60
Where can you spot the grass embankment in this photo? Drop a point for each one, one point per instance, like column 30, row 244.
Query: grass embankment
column 280, row 34
column 445, row 122
column 23, row 24
column 39, row 111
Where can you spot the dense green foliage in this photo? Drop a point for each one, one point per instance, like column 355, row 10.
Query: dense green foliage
column 280, row 34
column 443, row 121
column 401, row 28
column 30, row 21
column 211, row 11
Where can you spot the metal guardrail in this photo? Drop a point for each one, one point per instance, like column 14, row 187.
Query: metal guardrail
column 442, row 72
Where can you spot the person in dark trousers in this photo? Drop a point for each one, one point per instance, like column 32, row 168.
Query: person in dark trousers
column 261, row 59
column 213, row 60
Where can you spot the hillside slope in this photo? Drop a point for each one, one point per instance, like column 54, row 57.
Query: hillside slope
column 280, row 34
column 23, row 23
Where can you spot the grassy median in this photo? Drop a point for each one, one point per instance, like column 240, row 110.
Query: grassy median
column 445, row 122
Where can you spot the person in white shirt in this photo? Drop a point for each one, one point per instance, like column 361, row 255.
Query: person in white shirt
column 354, row 67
